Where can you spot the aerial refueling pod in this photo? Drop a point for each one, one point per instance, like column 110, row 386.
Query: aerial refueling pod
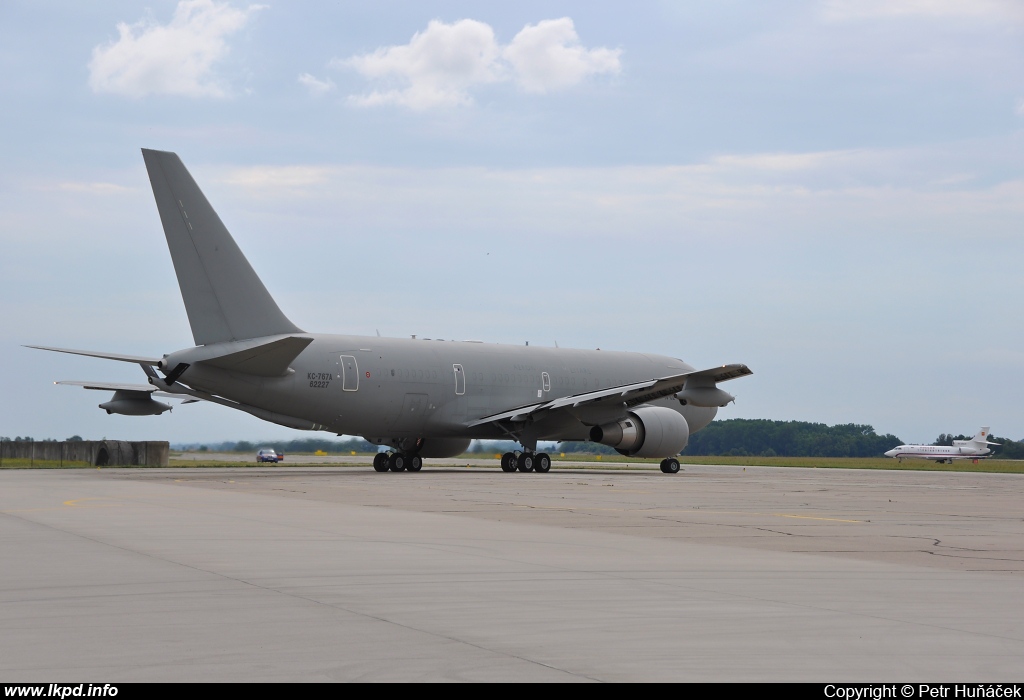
column 648, row 431
column 702, row 391
column 134, row 403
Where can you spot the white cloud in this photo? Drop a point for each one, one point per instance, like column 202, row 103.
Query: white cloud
column 437, row 66
column 285, row 176
column 440, row 65
column 779, row 161
column 170, row 59
column 846, row 10
column 94, row 187
column 548, row 56
column 901, row 193
column 315, row 85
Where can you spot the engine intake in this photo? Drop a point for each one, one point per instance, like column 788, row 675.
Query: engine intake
column 648, row 431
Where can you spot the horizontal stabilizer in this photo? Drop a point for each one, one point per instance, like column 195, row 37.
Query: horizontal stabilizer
column 259, row 357
column 140, row 390
column 111, row 386
column 154, row 361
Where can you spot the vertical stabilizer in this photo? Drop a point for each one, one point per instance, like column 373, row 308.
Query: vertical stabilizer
column 983, row 436
column 223, row 296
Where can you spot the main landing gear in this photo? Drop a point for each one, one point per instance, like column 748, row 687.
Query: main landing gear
column 397, row 462
column 526, row 462
column 670, row 465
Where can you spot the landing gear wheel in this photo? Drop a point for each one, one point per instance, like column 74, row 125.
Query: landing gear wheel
column 414, row 463
column 380, row 462
column 542, row 463
column 396, row 462
column 525, row 462
column 670, row 466
column 508, row 462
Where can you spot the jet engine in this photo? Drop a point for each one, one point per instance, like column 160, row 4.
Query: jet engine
column 648, row 431
column 134, row 403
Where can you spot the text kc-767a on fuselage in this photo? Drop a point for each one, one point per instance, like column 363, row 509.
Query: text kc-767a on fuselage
column 420, row 398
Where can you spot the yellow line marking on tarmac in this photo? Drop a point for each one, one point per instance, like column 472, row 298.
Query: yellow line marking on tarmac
column 75, row 503
column 568, row 508
column 28, row 510
column 695, row 510
column 692, row 511
column 811, row 517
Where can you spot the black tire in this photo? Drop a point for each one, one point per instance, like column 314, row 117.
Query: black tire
column 508, row 462
column 542, row 463
column 380, row 462
column 414, row 463
column 670, row 466
column 525, row 462
column 396, row 462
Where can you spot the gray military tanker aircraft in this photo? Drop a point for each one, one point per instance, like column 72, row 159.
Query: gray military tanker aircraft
column 418, row 397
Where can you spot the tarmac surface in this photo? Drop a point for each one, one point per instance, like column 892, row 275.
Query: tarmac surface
column 339, row 573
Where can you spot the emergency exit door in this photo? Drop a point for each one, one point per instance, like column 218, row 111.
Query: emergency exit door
column 349, row 373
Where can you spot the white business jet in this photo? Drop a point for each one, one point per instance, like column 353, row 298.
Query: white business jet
column 975, row 449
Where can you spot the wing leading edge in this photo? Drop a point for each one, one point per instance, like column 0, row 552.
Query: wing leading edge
column 632, row 394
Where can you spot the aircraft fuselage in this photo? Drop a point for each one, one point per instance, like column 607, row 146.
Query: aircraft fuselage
column 404, row 387
column 938, row 453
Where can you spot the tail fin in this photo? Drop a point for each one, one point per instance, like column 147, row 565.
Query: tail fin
column 223, row 296
column 983, row 436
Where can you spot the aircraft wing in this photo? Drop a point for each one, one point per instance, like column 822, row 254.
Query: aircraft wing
column 141, row 390
column 154, row 361
column 629, row 394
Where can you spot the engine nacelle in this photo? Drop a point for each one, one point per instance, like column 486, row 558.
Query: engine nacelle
column 131, row 404
column 648, row 431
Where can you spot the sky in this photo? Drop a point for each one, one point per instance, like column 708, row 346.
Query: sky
column 830, row 192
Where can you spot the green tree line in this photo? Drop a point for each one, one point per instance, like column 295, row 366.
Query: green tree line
column 286, row 446
column 743, row 437
column 1006, row 449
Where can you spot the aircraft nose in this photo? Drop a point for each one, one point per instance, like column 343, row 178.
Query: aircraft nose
column 890, row 453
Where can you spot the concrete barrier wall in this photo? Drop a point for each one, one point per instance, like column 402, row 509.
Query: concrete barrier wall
column 99, row 453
